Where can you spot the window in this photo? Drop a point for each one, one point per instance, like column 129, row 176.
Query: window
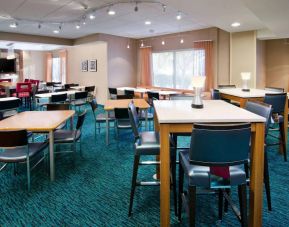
column 175, row 69
column 56, row 75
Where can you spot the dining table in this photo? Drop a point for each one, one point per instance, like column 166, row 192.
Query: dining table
column 177, row 116
column 7, row 86
column 40, row 121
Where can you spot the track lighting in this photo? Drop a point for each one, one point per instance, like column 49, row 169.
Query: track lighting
column 179, row 16
column 77, row 26
column 91, row 16
column 164, row 8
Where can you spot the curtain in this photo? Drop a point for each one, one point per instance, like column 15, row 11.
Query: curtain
column 145, row 66
column 63, row 65
column 207, row 46
column 48, row 67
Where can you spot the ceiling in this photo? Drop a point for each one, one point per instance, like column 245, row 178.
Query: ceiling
column 29, row 46
column 269, row 17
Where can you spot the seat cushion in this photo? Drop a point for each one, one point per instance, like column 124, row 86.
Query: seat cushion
column 148, row 143
column 20, row 154
column 203, row 177
column 66, row 136
column 123, row 123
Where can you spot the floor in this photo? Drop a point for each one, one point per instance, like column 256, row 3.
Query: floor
column 93, row 190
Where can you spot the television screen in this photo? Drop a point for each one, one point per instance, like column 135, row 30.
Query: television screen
column 7, row 65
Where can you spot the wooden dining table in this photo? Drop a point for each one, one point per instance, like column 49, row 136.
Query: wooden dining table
column 111, row 104
column 40, row 121
column 177, row 116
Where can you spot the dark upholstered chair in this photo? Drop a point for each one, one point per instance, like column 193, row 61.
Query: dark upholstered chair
column 215, row 94
column 57, row 107
column 61, row 98
column 278, row 101
column 228, row 149
column 265, row 111
column 100, row 117
column 14, row 148
column 80, row 99
column 124, row 97
column 129, row 92
column 145, row 143
column 90, row 92
column 9, row 108
column 122, row 121
column 112, row 92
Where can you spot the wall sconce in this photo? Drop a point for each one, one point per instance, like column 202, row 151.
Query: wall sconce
column 198, row 83
column 246, row 76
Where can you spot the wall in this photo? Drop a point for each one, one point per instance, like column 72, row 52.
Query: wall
column 33, row 65
column 95, row 50
column 223, row 57
column 261, row 64
column 277, row 63
column 243, row 57
column 18, row 76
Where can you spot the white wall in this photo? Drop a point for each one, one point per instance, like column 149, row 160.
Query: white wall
column 76, row 54
column 33, row 65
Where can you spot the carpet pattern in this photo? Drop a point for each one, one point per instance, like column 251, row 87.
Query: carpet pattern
column 93, row 190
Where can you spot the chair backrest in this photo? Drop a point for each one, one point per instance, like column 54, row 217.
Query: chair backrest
column 89, row 88
column 15, row 138
column 80, row 120
column 224, row 86
column 181, row 97
column 124, row 97
column 277, row 101
column 67, row 86
column 262, row 109
column 134, row 120
column 60, row 90
column 60, row 106
column 215, row 94
column 153, row 95
column 93, row 105
column 121, row 113
column 49, row 84
column 9, row 104
column 80, row 95
column 277, row 89
column 112, row 91
column 59, row 98
column 23, row 87
column 5, row 80
column 129, row 92
column 26, row 80
column 42, row 91
column 220, row 144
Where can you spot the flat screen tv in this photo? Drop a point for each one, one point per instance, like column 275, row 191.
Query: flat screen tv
column 7, row 65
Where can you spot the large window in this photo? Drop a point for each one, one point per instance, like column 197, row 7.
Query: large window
column 175, row 69
column 56, row 73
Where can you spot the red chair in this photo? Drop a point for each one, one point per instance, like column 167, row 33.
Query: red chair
column 26, row 80
column 24, row 90
column 5, row 80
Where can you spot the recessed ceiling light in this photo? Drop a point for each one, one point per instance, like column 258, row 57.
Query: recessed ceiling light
column 13, row 25
column 55, row 31
column 148, row 22
column 77, row 26
column 91, row 17
column 110, row 11
column 235, row 24
column 179, row 16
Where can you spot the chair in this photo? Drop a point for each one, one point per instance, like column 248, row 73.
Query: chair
column 70, row 136
column 61, row 98
column 112, row 92
column 225, row 86
column 9, row 108
column 60, row 90
column 278, row 101
column 24, row 91
column 90, row 91
column 228, row 87
column 276, row 89
column 228, row 148
column 265, row 111
column 146, row 143
column 129, row 92
column 80, row 99
column 124, row 97
column 152, row 96
column 215, row 94
column 16, row 149
column 121, row 119
column 100, row 117
column 3, row 91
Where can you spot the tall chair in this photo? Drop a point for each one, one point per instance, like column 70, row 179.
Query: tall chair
column 228, row 148
column 146, row 143
column 14, row 148
column 278, row 101
column 112, row 92
column 100, row 117
column 265, row 111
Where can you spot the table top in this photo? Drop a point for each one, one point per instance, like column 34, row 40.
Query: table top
column 180, row 111
column 78, row 87
column 123, row 103
column 48, row 95
column 253, row 93
column 36, row 120
column 8, row 99
column 166, row 92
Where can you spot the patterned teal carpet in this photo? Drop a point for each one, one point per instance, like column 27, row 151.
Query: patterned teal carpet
column 93, row 190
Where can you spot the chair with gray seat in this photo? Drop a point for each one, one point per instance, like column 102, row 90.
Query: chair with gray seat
column 146, row 143
column 278, row 101
column 14, row 148
column 216, row 165
column 215, row 94
column 122, row 121
column 112, row 92
column 100, row 118
column 58, row 107
column 264, row 110
column 80, row 99
column 9, row 108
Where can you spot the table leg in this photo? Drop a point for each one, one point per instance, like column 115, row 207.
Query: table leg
column 146, row 119
column 164, row 175
column 286, row 122
column 256, row 178
column 51, row 155
column 107, row 127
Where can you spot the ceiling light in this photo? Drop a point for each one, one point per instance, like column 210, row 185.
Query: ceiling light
column 110, row 11
column 164, row 8
column 182, row 41
column 84, row 22
column 77, row 26
column 13, row 25
column 142, row 45
column 163, row 42
column 179, row 16
column 56, row 31
column 91, row 17
column 235, row 24
column 148, row 22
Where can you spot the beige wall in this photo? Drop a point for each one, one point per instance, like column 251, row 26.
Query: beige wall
column 33, row 65
column 277, row 63
column 98, row 51
column 243, row 57
column 223, row 57
column 261, row 64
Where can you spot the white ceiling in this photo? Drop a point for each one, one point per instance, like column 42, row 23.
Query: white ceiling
column 29, row 46
column 268, row 16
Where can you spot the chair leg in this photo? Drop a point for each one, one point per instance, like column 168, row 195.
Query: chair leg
column 282, row 134
column 242, row 192
column 267, row 181
column 95, row 129
column 192, row 205
column 226, row 202
column 133, row 182
column 173, row 169
column 221, row 199
column 181, row 185
column 28, row 174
